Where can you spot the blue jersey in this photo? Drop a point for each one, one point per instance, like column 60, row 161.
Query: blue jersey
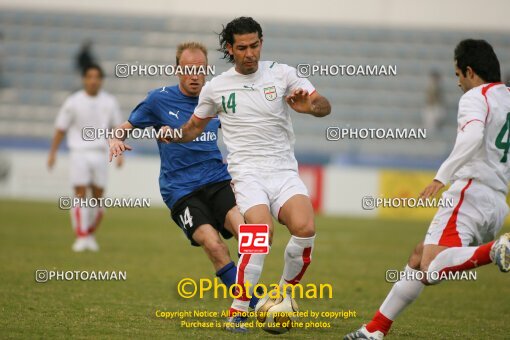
column 185, row 167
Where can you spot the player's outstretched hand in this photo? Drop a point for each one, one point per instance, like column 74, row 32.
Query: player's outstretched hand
column 117, row 147
column 165, row 134
column 432, row 189
column 299, row 100
column 51, row 160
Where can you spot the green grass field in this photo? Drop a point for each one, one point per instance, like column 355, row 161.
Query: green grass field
column 351, row 254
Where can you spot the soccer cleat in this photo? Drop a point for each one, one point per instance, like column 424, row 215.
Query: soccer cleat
column 92, row 244
column 80, row 244
column 500, row 253
column 236, row 324
column 363, row 333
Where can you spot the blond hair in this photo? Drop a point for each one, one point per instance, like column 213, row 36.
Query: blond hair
column 189, row 45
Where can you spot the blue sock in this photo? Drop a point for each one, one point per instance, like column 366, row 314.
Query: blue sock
column 228, row 275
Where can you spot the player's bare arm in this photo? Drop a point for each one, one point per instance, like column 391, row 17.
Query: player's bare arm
column 191, row 130
column 57, row 139
column 117, row 145
column 303, row 102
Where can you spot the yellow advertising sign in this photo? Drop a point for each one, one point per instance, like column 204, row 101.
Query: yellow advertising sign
column 401, row 189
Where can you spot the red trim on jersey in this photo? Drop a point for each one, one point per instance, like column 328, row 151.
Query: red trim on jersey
column 306, row 262
column 314, row 90
column 486, row 88
column 484, row 94
column 194, row 115
column 240, row 277
column 472, row 120
column 450, row 236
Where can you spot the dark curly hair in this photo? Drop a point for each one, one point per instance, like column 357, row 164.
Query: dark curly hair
column 241, row 25
column 480, row 56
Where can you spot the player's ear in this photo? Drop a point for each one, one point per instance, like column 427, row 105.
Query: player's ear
column 230, row 49
column 469, row 73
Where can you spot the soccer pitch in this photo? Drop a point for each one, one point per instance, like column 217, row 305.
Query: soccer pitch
column 350, row 254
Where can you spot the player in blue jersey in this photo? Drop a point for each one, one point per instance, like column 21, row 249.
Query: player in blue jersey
column 193, row 181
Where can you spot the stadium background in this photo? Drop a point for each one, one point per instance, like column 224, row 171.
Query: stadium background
column 40, row 42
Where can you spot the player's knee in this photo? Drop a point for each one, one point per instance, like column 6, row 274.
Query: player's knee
column 233, row 219
column 97, row 192
column 80, row 191
column 302, row 228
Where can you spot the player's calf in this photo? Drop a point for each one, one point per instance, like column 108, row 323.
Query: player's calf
column 217, row 251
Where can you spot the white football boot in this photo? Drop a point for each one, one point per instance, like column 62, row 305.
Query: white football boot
column 92, row 244
column 81, row 244
column 363, row 333
column 500, row 253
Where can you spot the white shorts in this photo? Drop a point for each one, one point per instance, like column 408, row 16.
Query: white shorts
column 88, row 167
column 271, row 189
column 476, row 217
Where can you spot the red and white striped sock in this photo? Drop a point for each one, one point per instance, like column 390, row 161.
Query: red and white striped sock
column 298, row 255
column 80, row 220
column 249, row 268
column 403, row 293
column 458, row 259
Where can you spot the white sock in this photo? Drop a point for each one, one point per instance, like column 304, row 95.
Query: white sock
column 80, row 220
column 401, row 295
column 249, row 268
column 298, row 255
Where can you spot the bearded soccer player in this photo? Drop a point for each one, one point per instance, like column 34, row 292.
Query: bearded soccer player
column 252, row 100
column 87, row 108
column 462, row 237
column 194, row 181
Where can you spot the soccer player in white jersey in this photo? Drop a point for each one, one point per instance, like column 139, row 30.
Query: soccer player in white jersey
column 252, row 101
column 94, row 108
column 462, row 237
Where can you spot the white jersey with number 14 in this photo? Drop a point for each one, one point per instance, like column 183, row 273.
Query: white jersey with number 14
column 255, row 118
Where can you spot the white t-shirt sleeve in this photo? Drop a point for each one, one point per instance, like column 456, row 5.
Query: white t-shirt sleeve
column 65, row 116
column 295, row 82
column 471, row 129
column 206, row 107
column 472, row 107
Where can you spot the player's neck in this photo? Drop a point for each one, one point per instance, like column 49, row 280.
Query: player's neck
column 91, row 94
column 244, row 73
